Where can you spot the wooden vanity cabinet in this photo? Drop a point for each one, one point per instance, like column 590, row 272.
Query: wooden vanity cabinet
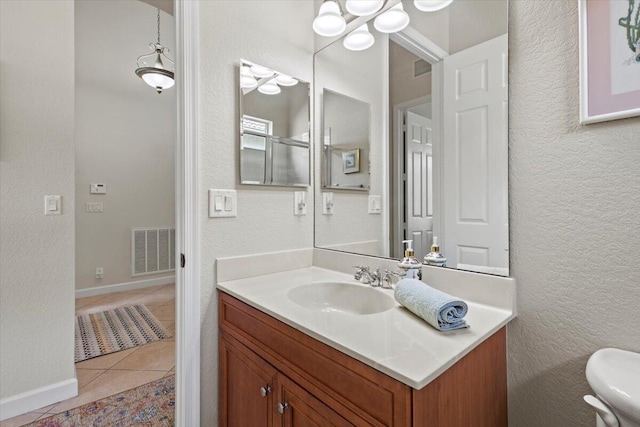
column 308, row 383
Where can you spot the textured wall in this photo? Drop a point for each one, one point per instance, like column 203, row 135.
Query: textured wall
column 125, row 137
column 275, row 34
column 36, row 158
column 575, row 223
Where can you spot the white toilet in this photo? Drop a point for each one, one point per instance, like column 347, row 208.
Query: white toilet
column 614, row 376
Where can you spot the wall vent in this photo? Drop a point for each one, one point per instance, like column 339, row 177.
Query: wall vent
column 420, row 68
column 152, row 250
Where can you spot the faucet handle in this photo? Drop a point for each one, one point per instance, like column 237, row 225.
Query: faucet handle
column 385, row 279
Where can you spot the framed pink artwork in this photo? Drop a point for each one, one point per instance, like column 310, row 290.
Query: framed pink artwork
column 609, row 60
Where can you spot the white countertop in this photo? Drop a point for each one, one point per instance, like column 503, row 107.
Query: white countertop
column 395, row 342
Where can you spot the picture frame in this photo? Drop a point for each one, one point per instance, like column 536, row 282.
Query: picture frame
column 351, row 161
column 609, row 60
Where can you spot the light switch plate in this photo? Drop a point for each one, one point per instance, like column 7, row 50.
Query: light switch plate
column 375, row 205
column 53, row 205
column 223, row 203
column 327, row 203
column 299, row 203
column 94, row 207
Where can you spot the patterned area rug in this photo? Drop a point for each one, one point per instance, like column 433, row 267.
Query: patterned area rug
column 149, row 405
column 109, row 331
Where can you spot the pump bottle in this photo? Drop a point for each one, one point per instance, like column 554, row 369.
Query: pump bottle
column 410, row 264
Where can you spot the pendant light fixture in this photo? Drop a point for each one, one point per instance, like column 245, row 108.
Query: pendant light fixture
column 392, row 21
column 363, row 7
column 329, row 21
column 359, row 39
column 157, row 76
column 431, row 5
column 269, row 88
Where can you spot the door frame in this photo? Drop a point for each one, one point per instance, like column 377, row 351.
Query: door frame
column 187, row 216
column 398, row 177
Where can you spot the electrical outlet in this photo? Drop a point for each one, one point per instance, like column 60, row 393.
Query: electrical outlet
column 99, row 273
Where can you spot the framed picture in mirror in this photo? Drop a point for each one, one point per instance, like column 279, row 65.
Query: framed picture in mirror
column 351, row 161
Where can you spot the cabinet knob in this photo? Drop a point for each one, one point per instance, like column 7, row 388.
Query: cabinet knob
column 265, row 390
column 282, row 407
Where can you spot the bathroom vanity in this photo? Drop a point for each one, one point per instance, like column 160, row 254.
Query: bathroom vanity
column 285, row 362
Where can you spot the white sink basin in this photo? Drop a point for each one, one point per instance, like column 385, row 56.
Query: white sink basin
column 341, row 297
column 615, row 377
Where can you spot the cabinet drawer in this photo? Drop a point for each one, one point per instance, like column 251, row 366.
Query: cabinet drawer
column 357, row 392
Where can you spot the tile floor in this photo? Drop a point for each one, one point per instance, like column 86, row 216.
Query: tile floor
column 113, row 373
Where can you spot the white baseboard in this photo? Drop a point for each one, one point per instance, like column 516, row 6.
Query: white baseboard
column 38, row 398
column 119, row 287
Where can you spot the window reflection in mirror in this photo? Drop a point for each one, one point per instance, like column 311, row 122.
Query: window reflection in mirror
column 274, row 127
column 440, row 161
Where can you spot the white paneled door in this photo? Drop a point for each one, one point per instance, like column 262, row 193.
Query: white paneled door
column 475, row 229
column 419, row 190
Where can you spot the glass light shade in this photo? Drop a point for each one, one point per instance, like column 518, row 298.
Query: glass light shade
column 392, row 21
column 363, row 7
column 269, row 88
column 329, row 21
column 431, row 5
column 284, row 80
column 260, row 71
column 248, row 82
column 157, row 78
column 359, row 39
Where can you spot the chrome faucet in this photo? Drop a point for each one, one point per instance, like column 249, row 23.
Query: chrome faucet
column 385, row 279
column 364, row 274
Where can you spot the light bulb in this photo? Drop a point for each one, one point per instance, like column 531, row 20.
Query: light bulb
column 329, row 21
column 392, row 21
column 363, row 7
column 270, row 88
column 359, row 39
column 431, row 5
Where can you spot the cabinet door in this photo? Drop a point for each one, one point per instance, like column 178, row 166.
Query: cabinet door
column 297, row 408
column 246, row 387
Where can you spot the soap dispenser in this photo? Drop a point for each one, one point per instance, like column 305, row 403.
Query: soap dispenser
column 435, row 257
column 411, row 266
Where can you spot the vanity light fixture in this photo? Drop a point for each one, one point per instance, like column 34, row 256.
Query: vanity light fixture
column 284, row 80
column 392, row 21
column 247, row 81
column 156, row 76
column 431, row 5
column 260, row 72
column 359, row 39
column 363, row 7
column 329, row 21
column 269, row 88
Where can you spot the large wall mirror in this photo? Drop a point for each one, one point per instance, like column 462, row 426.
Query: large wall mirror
column 437, row 160
column 274, row 127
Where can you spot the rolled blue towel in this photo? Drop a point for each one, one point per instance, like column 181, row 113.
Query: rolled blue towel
column 440, row 310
